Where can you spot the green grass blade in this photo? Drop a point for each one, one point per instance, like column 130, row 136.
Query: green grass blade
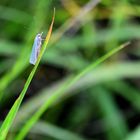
column 61, row 91
column 55, row 132
column 134, row 135
column 13, row 111
column 101, row 74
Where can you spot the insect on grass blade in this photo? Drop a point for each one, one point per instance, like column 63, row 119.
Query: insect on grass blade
column 36, row 48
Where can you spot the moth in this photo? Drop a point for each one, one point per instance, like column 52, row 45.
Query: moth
column 36, row 48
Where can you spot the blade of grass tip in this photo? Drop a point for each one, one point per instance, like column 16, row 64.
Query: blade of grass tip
column 25, row 129
column 13, row 111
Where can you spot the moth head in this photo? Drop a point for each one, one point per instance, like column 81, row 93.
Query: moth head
column 39, row 36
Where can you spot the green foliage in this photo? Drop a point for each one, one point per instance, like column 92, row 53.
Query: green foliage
column 69, row 98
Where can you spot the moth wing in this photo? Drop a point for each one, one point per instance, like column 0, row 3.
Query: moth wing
column 33, row 56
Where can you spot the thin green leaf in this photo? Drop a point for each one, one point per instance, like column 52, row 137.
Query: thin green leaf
column 61, row 91
column 134, row 135
column 99, row 75
column 13, row 111
column 53, row 131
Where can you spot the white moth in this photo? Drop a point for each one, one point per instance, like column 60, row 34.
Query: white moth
column 36, row 48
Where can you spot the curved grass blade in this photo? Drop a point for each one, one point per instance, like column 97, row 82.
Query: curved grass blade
column 134, row 135
column 13, row 111
column 58, row 133
column 99, row 75
column 26, row 128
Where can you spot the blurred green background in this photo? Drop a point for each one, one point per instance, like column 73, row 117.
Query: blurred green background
column 105, row 103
